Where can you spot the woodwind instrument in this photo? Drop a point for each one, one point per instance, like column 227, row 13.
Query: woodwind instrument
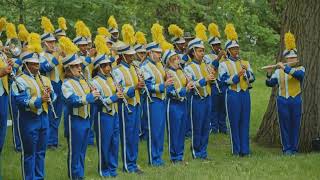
column 190, row 80
column 141, row 77
column 119, row 88
column 45, row 90
column 170, row 76
column 100, row 97
column 12, row 75
column 245, row 75
column 210, row 70
column 275, row 65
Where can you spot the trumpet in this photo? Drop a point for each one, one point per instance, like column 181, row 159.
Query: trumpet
column 141, row 77
column 46, row 92
column 209, row 69
column 119, row 88
column 275, row 65
column 12, row 47
column 100, row 97
column 190, row 80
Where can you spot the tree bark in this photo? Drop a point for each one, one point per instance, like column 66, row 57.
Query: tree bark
column 302, row 19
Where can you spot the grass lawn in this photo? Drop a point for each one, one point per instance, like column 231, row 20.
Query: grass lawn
column 265, row 163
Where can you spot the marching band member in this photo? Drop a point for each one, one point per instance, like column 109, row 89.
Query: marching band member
column 238, row 76
column 105, row 33
column 154, row 76
column 61, row 31
column 106, row 123
column 141, row 55
column 289, row 79
column 218, row 112
column 52, row 67
column 113, row 30
column 23, row 37
column 32, row 93
column 200, row 99
column 176, row 106
column 78, row 96
column 82, row 41
column 179, row 42
column 129, row 108
column 6, row 65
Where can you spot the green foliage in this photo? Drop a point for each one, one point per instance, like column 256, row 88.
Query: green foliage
column 256, row 22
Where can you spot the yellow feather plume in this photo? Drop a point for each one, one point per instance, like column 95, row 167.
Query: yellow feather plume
column 46, row 25
column 230, row 32
column 62, row 23
column 87, row 32
column 80, row 28
column 165, row 46
column 140, row 38
column 11, row 31
column 214, row 30
column 34, row 43
column 3, row 23
column 22, row 33
column 101, row 45
column 200, row 30
column 103, row 31
column 128, row 34
column 112, row 22
column 157, row 33
column 67, row 46
column 175, row 30
column 289, row 41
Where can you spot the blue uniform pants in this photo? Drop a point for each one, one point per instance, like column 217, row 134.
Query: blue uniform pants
column 129, row 136
column 289, row 112
column 3, row 118
column 238, row 111
column 176, row 123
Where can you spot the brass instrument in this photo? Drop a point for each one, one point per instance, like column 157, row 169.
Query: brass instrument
column 100, row 97
column 12, row 47
column 141, row 77
column 12, row 75
column 119, row 88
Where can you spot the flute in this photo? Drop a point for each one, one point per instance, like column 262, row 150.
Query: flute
column 100, row 97
column 141, row 76
column 119, row 88
column 275, row 65
column 50, row 101
column 190, row 80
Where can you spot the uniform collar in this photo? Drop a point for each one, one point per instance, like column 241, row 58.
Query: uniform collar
column 150, row 60
column 195, row 61
column 125, row 64
column 102, row 76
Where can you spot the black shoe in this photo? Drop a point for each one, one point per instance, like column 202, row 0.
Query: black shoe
column 139, row 171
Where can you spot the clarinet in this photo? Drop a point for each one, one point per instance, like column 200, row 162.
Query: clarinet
column 142, row 77
column 245, row 75
column 215, row 81
column 100, row 97
column 190, row 80
column 50, row 101
column 119, row 88
column 12, row 75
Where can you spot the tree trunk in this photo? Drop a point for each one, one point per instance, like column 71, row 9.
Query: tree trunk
column 302, row 19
